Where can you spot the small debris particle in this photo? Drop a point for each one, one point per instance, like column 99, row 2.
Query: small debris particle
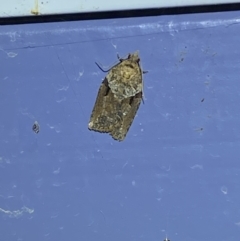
column 36, row 127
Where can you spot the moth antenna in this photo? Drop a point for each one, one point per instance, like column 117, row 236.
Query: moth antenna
column 103, row 70
column 145, row 72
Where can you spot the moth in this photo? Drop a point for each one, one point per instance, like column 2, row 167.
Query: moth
column 119, row 98
column 36, row 127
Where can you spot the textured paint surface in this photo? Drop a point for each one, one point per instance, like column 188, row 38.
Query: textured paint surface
column 177, row 175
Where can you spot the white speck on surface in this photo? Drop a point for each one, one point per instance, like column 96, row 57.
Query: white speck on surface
column 6, row 197
column 51, row 127
column 238, row 224
column 54, row 216
column 124, row 165
column 56, row 128
column 61, row 100
column 80, row 74
column 160, row 190
column 56, row 171
column 12, row 54
column 39, row 182
column 95, row 73
column 114, row 45
column 224, row 190
column 214, row 155
column 133, row 183
column 166, row 115
column 197, row 166
column 161, row 175
column 58, row 184
column 63, row 88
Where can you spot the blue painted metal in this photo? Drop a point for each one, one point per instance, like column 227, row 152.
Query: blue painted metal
column 178, row 170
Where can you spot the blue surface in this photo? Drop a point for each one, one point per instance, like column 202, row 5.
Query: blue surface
column 178, row 170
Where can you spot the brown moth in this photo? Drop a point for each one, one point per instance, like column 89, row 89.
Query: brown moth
column 119, row 98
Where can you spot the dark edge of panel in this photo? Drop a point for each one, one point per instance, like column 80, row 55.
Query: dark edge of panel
column 120, row 14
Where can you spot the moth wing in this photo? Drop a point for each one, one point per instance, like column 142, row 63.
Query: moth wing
column 132, row 104
column 99, row 114
column 107, row 112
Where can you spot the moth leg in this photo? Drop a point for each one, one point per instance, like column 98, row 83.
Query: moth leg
column 119, row 58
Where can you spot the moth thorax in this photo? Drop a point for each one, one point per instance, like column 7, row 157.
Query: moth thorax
column 134, row 57
column 127, row 75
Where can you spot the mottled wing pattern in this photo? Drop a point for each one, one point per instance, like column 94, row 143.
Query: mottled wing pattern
column 111, row 115
column 130, row 104
column 102, row 118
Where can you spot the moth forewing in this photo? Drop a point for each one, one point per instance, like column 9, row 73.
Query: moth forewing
column 100, row 110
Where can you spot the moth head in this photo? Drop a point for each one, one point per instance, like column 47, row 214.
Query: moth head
column 134, row 57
